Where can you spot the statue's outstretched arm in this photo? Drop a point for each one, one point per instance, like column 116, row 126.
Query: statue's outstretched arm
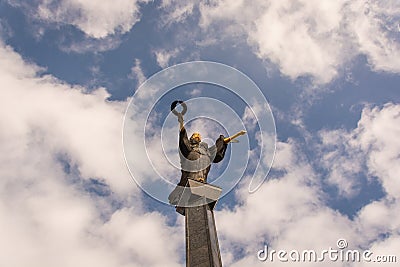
column 231, row 138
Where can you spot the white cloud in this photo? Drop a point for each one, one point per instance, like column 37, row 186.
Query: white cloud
column 376, row 27
column 85, row 126
column 287, row 212
column 49, row 216
column 90, row 45
column 388, row 247
column 378, row 131
column 315, row 38
column 374, row 147
column 178, row 11
column 97, row 19
column 343, row 161
column 195, row 92
column 163, row 57
column 290, row 210
column 137, row 72
column 373, row 143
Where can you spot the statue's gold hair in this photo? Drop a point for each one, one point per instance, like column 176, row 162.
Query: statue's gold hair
column 196, row 135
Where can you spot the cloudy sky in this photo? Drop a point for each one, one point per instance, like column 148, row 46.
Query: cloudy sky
column 330, row 71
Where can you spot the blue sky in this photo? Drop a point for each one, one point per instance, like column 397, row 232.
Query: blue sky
column 329, row 70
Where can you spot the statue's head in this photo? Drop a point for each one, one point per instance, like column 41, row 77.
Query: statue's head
column 195, row 138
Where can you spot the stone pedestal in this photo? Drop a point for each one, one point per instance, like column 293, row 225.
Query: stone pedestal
column 202, row 248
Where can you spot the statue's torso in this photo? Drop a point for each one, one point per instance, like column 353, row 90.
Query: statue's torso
column 196, row 164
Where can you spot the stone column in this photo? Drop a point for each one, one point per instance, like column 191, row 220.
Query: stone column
column 202, row 248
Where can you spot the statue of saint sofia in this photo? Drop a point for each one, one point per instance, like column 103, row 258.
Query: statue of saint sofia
column 196, row 158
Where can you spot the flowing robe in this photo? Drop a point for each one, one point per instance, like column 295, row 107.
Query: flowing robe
column 196, row 159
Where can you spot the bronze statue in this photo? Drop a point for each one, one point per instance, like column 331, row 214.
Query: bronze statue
column 195, row 156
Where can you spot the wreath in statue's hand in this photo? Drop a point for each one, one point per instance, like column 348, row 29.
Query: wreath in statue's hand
column 174, row 111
